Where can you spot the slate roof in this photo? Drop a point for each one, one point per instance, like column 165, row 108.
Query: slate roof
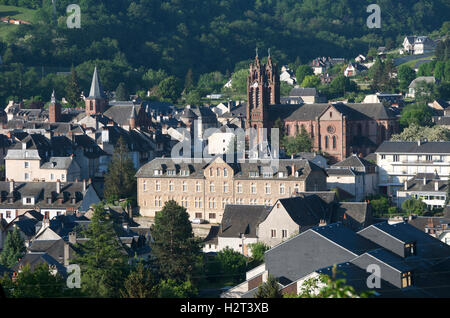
column 307, row 210
column 37, row 258
column 427, row 79
column 212, row 237
column 121, row 114
column 411, row 147
column 340, row 172
column 355, row 162
column 57, row 163
column 345, row 237
column 241, row 169
column 353, row 111
column 303, row 91
column 416, row 184
column 242, row 219
column 355, row 215
column 42, row 191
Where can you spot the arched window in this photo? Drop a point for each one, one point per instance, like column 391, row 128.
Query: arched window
column 334, row 142
column 326, row 142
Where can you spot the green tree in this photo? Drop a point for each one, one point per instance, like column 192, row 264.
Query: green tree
column 302, row 71
column 233, row 264
column 121, row 92
column 73, row 90
column 173, row 289
column 120, row 181
column 326, row 286
column 140, row 283
column 39, row 283
column 310, row 81
column 270, row 289
column 193, row 97
column 239, row 81
column 300, row 143
column 414, row 206
column 175, row 248
column 102, row 258
column 405, row 76
column 189, row 80
column 380, row 206
column 152, row 78
column 258, row 250
column 170, row 89
column 341, row 85
column 418, row 113
column 415, row 132
column 13, row 248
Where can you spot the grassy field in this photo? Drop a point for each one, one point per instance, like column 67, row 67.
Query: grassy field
column 14, row 12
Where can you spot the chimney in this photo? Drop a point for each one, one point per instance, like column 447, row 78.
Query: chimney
column 322, row 222
column 130, row 211
column 419, row 142
column 105, row 135
column 436, row 185
column 72, row 237
column 58, row 186
column 293, row 169
column 12, row 186
column 66, row 254
column 406, row 185
column 84, row 185
column 424, row 180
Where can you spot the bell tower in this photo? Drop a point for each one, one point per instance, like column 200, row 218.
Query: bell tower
column 263, row 89
column 97, row 101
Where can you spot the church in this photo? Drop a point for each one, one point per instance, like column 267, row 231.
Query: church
column 336, row 129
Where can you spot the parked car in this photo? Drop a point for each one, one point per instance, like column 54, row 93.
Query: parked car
column 198, row 221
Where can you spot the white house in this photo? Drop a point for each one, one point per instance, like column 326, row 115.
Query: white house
column 399, row 161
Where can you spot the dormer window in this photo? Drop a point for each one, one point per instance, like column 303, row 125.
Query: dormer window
column 157, row 172
column 171, row 172
column 406, row 279
column 280, row 174
column 253, row 174
column 410, row 249
column 267, row 175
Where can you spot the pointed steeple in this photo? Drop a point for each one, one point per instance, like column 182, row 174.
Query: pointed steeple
column 133, row 113
column 96, row 87
column 53, row 98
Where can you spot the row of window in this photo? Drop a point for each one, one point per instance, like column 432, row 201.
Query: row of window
column 218, row 172
column 212, row 203
column 396, row 158
column 327, row 142
column 27, row 176
column 212, row 187
column 273, row 233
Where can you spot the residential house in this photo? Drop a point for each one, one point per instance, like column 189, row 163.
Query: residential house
column 48, row 198
column 412, row 88
column 354, row 69
column 399, row 161
column 410, row 261
column 354, row 175
column 427, row 187
column 418, row 45
column 239, row 226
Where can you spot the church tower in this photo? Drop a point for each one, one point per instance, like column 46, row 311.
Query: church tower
column 263, row 89
column 54, row 110
column 96, row 101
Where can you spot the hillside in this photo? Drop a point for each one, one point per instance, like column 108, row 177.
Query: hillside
column 131, row 40
column 14, row 12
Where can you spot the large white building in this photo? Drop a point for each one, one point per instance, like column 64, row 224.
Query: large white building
column 399, row 161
